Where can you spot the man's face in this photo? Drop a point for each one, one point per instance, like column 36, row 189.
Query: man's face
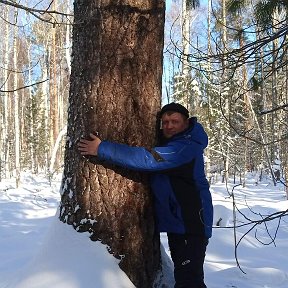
column 173, row 123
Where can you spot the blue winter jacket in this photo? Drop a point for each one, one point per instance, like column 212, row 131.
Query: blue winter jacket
column 181, row 191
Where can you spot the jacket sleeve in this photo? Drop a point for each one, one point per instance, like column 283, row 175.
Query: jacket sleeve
column 139, row 158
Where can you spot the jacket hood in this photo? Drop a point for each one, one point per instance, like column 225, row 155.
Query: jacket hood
column 194, row 132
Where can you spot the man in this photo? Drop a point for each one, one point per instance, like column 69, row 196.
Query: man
column 181, row 191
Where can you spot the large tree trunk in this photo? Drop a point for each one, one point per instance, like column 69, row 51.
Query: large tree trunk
column 116, row 91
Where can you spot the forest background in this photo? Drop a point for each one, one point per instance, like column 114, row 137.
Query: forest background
column 228, row 67
column 226, row 61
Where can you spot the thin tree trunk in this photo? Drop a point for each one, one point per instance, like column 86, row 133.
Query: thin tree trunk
column 45, row 105
column 116, row 91
column 246, row 109
column 55, row 149
column 208, row 163
column 68, row 44
column 5, row 147
column 285, row 144
column 16, row 103
column 32, row 138
column 186, row 15
column 225, row 100
column 53, row 91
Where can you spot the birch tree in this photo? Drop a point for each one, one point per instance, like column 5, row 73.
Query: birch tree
column 5, row 96
column 16, row 102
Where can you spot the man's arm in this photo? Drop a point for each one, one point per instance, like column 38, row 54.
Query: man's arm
column 139, row 158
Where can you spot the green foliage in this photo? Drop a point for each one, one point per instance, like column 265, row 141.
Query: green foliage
column 192, row 4
column 235, row 6
column 265, row 9
column 36, row 136
column 254, row 83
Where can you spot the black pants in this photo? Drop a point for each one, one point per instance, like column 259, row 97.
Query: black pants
column 188, row 254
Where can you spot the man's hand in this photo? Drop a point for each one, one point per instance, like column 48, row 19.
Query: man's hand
column 89, row 147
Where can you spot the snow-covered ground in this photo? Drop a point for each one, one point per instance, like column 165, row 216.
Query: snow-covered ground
column 38, row 251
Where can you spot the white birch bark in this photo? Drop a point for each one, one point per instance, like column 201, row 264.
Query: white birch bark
column 186, row 14
column 16, row 104
column 53, row 86
column 225, row 100
column 68, row 44
column 5, row 149
column 32, row 134
column 45, row 104
column 55, row 149
column 207, row 153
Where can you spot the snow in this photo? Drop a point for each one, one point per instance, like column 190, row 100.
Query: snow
column 39, row 251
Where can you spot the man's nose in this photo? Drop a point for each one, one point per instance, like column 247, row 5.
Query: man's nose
column 169, row 125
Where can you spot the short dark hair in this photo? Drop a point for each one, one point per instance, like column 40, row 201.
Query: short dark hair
column 174, row 107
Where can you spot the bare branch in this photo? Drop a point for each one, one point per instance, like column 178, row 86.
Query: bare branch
column 273, row 110
column 35, row 12
column 23, row 87
column 30, row 9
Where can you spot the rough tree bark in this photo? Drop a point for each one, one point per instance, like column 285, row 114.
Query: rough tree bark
column 116, row 91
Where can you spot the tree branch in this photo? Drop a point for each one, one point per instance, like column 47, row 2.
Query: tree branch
column 35, row 12
column 30, row 9
column 263, row 112
column 23, row 87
